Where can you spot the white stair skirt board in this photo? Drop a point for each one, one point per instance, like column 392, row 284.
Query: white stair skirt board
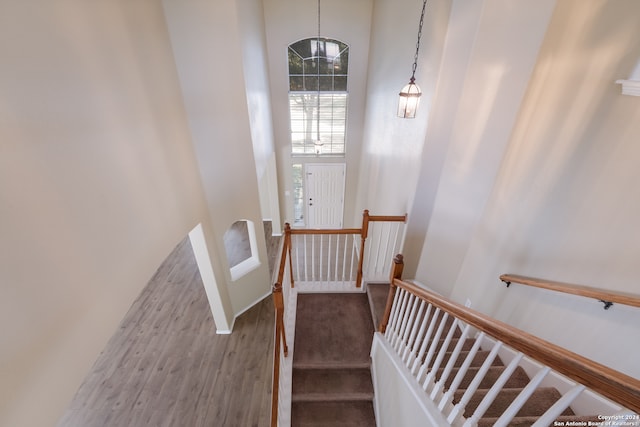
column 398, row 398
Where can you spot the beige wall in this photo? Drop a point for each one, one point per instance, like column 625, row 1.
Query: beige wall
column 98, row 183
column 391, row 156
column 256, row 78
column 560, row 202
column 208, row 47
column 490, row 52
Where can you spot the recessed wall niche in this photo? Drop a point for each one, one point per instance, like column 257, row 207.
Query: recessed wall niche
column 241, row 248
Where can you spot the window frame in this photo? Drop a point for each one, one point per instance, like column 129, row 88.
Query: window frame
column 318, row 128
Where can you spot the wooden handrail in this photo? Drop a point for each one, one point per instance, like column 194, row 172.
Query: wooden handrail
column 280, row 336
column 608, row 382
column 389, row 218
column 325, row 231
column 604, row 296
column 275, row 388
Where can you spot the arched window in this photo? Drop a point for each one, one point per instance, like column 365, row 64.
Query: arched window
column 318, row 96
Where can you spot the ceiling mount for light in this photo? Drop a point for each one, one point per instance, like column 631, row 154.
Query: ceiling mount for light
column 410, row 94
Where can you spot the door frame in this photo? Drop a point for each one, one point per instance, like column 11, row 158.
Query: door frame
column 306, row 191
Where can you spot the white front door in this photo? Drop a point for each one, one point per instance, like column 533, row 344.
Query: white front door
column 325, row 194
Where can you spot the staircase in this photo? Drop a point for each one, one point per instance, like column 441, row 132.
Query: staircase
column 331, row 364
column 541, row 400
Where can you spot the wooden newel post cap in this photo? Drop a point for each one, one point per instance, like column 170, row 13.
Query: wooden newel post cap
column 396, row 269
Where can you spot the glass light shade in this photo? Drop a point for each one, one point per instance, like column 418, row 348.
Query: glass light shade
column 409, row 100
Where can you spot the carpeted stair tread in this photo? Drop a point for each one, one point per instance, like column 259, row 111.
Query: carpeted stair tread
column 331, row 365
column 477, row 360
column 339, row 414
column 332, row 384
column 333, row 329
column 336, row 397
column 468, row 343
column 541, row 400
column 518, row 379
column 378, row 294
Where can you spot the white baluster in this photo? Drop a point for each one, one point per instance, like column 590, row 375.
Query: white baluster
column 491, row 394
column 402, row 333
column 409, row 323
column 395, row 248
column 306, row 264
column 458, row 410
column 522, row 398
column 447, row 399
column 397, row 303
column 432, row 346
column 335, row 274
column 429, row 380
column 330, row 278
column 439, row 386
column 425, row 343
column 401, row 317
column 355, row 254
column 419, row 338
column 414, row 330
column 320, row 256
column 558, row 408
column 367, row 256
column 386, row 247
column 344, row 258
column 377, row 235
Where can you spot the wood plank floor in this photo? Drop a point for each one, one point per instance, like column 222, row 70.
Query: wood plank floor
column 165, row 366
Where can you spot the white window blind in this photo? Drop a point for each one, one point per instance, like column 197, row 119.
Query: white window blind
column 318, row 128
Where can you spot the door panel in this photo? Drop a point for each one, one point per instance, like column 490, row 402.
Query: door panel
column 325, row 194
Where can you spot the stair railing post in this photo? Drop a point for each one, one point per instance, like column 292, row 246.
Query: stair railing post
column 363, row 238
column 287, row 242
column 396, row 273
column 278, row 302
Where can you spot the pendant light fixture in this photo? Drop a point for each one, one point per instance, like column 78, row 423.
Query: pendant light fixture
column 410, row 94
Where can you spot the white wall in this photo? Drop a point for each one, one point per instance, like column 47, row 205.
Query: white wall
column 490, row 52
column 256, row 78
column 398, row 399
column 544, row 186
column 98, row 183
column 208, row 48
column 289, row 21
column 391, row 158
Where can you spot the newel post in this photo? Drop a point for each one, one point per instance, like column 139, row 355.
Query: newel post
column 287, row 242
column 363, row 237
column 278, row 302
column 396, row 273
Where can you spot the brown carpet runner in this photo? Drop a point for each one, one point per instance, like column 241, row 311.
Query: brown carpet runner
column 331, row 364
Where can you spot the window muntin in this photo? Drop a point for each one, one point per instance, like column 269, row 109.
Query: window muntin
column 318, row 96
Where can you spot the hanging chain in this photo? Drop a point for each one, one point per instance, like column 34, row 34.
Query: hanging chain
column 318, row 25
column 318, row 143
column 415, row 58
